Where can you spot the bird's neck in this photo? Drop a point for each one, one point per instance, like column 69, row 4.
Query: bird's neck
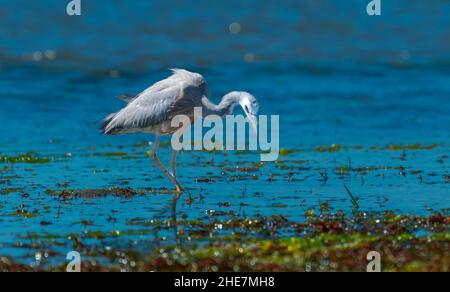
column 225, row 107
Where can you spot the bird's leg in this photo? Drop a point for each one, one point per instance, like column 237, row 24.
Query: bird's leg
column 173, row 163
column 158, row 163
column 173, row 166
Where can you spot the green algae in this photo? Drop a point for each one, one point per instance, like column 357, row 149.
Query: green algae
column 88, row 234
column 324, row 235
column 331, row 242
column 332, row 148
column 341, row 250
column 342, row 253
column 367, row 169
column 29, row 157
column 24, row 214
column 286, row 152
column 394, row 147
column 337, row 148
column 390, row 147
column 112, row 154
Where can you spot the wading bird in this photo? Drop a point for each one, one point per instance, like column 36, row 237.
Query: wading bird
column 152, row 110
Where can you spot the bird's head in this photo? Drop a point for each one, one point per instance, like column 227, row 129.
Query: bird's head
column 250, row 106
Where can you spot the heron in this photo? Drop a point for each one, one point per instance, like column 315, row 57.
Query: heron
column 152, row 111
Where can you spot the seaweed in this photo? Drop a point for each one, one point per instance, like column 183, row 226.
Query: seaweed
column 329, row 242
column 354, row 200
column 29, row 157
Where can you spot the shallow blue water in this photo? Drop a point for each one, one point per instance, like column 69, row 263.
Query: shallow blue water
column 333, row 74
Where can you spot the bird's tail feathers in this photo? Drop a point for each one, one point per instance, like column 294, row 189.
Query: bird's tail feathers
column 104, row 128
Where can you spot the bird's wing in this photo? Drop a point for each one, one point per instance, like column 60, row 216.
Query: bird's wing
column 129, row 97
column 190, row 97
column 155, row 105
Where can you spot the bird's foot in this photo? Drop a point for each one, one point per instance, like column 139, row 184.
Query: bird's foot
column 178, row 188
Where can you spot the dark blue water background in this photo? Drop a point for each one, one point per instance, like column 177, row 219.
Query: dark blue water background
column 333, row 74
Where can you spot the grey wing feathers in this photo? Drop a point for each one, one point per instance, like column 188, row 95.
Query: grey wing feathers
column 189, row 98
column 178, row 94
column 147, row 110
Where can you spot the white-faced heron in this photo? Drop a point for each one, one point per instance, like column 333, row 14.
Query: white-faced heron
column 152, row 110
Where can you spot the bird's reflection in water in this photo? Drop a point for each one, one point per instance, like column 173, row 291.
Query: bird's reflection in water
column 172, row 224
column 174, row 218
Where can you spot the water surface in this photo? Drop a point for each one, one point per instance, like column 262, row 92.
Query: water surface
column 362, row 102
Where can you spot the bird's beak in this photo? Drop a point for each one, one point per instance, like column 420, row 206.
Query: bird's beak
column 253, row 122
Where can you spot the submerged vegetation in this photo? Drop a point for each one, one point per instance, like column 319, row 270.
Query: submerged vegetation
column 34, row 158
column 311, row 210
column 327, row 242
column 392, row 147
column 29, row 157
